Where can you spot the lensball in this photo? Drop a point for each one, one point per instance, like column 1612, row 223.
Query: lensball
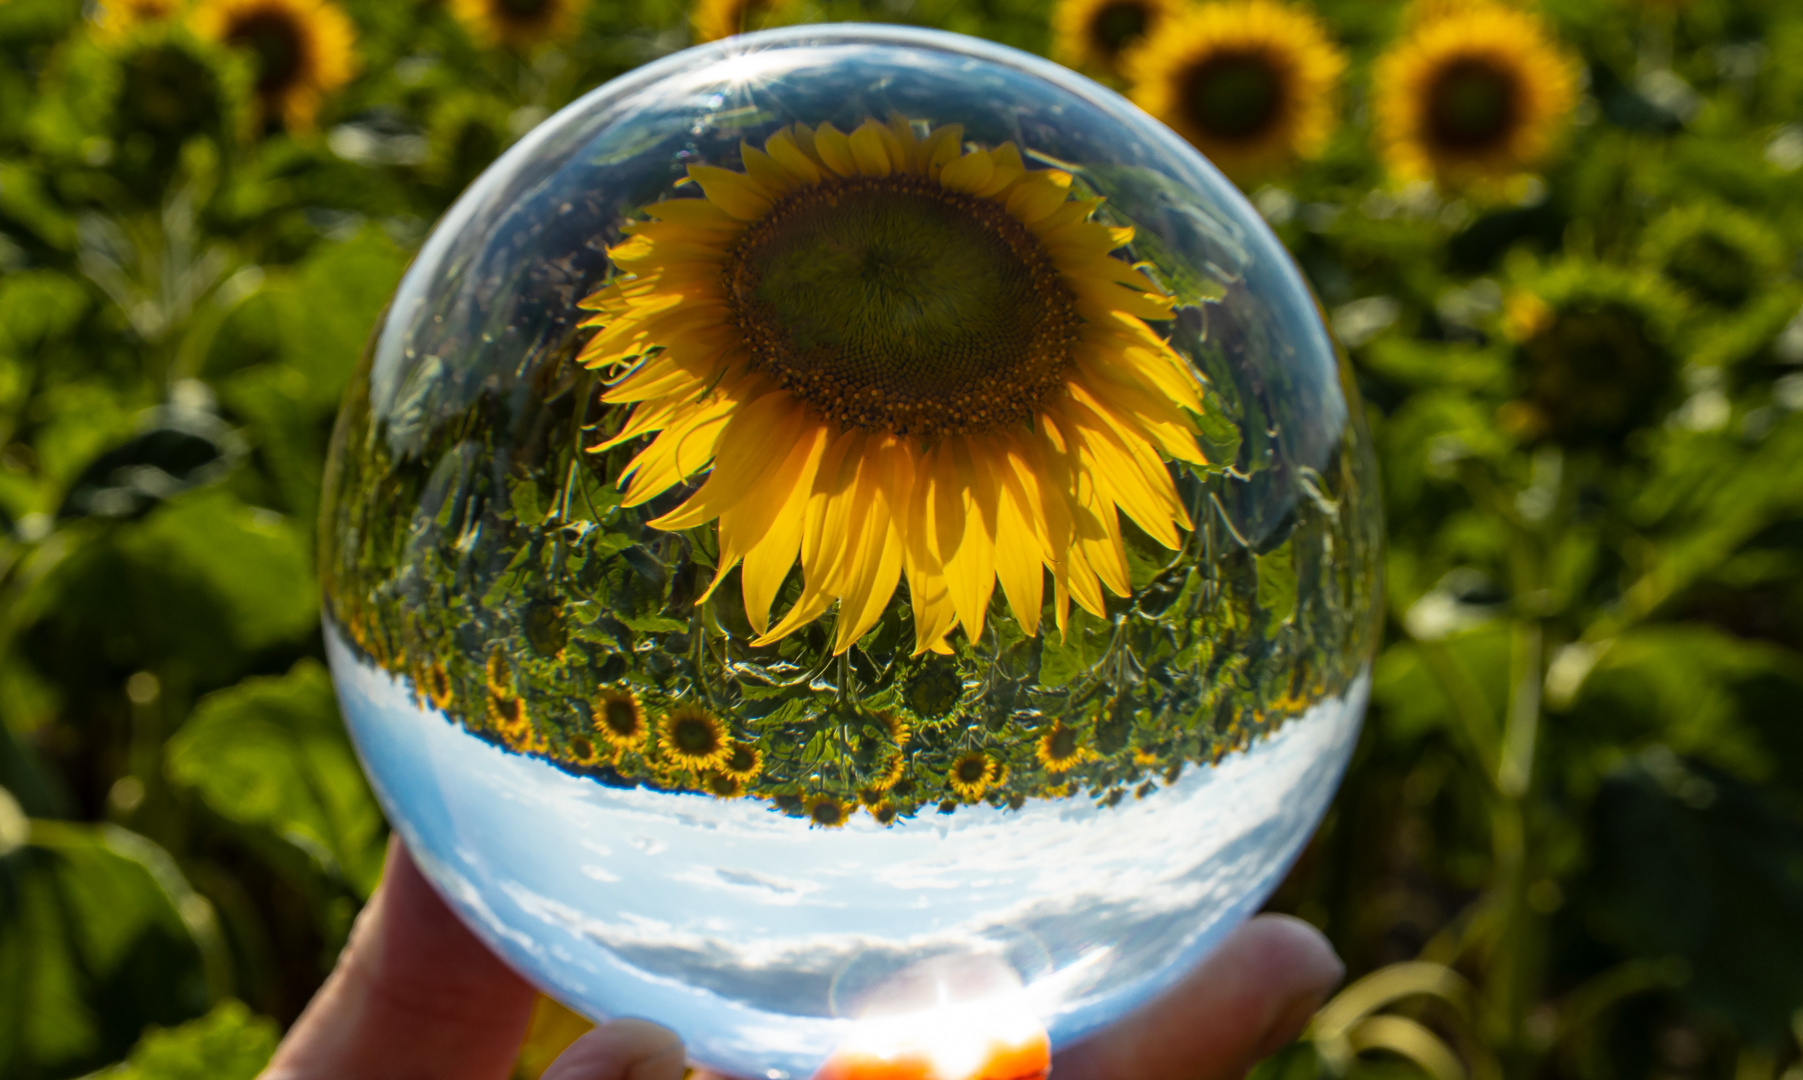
column 843, row 507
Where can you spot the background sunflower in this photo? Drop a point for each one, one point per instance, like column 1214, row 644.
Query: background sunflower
column 1094, row 34
column 1251, row 83
column 301, row 50
column 519, row 24
column 1473, row 93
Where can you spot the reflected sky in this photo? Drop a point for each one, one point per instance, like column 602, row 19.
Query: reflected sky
column 750, row 932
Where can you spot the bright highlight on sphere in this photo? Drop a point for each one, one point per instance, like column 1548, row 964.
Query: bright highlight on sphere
column 843, row 511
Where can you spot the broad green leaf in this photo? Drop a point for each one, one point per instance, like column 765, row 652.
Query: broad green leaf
column 255, row 564
column 99, row 936
column 1064, row 657
column 271, row 755
column 229, row 1043
column 1277, row 582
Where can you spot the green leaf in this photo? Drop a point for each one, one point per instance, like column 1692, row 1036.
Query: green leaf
column 99, row 936
column 324, row 312
column 229, row 1043
column 256, row 564
column 36, row 305
column 271, row 755
column 1064, row 657
column 1277, row 582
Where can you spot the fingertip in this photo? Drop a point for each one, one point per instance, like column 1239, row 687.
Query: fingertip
column 1304, row 960
column 622, row 1050
column 1256, row 992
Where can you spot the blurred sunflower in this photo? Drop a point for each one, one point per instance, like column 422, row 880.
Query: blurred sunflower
column 693, row 738
column 1061, row 749
column 1472, row 93
column 894, row 765
column 744, row 762
column 1094, row 33
column 1715, row 253
column 723, row 785
column 899, row 358
column 1250, row 83
column 436, row 683
column 114, row 18
column 1594, row 355
column 971, row 774
column 509, row 718
column 302, row 50
column 827, row 811
column 712, row 20
column 519, row 24
column 619, row 718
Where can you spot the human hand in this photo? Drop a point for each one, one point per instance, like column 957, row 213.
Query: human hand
column 415, row 996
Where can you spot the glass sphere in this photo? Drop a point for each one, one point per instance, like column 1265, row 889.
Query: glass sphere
column 842, row 503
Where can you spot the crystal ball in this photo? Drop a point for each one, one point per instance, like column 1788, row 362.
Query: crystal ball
column 845, row 503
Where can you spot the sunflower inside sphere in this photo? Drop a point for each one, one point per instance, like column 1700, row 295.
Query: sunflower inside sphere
column 302, row 51
column 692, row 738
column 1095, row 33
column 1250, row 83
column 888, row 356
column 1473, row 93
column 519, row 24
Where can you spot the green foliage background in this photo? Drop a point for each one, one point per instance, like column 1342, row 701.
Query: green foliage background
column 1571, row 843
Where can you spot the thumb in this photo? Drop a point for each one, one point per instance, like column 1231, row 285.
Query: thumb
column 621, row 1050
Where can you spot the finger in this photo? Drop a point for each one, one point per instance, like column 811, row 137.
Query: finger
column 1255, row 993
column 413, row 994
column 621, row 1050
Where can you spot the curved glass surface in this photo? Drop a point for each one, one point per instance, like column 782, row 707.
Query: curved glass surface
column 656, row 800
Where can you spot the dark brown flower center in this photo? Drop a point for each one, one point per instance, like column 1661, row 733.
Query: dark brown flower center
column 1114, row 26
column 695, row 735
column 620, row 716
column 1234, row 96
column 893, row 304
column 278, row 43
column 1471, row 105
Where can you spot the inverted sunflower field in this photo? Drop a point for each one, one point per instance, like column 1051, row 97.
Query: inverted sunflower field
column 731, row 546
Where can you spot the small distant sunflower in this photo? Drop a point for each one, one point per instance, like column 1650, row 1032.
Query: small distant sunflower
column 900, row 359
column 745, row 761
column 893, row 767
column 722, row 785
column 1094, row 33
column 828, row 812
column 893, row 727
column 583, row 751
column 1061, row 749
column 115, row 18
column 933, row 696
column 693, row 738
column 509, row 718
column 436, row 683
column 498, row 673
column 1715, row 253
column 1474, row 93
column 519, row 24
column 619, row 718
column 1597, row 359
column 971, row 774
column 303, row 50
column 1250, row 83
column 716, row 19
column 883, row 812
